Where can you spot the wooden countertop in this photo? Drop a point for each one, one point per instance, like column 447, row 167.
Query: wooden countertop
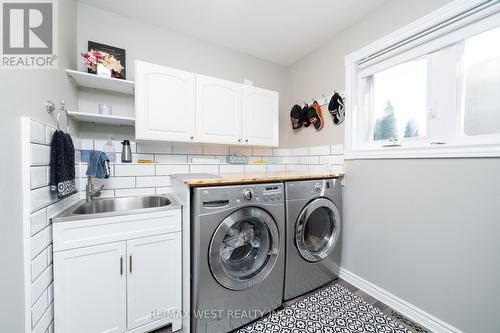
column 232, row 179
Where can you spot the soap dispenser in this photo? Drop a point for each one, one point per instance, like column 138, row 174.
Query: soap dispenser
column 109, row 150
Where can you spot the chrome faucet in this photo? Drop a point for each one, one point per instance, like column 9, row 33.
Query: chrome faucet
column 90, row 191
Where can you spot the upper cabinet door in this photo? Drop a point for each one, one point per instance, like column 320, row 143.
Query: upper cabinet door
column 218, row 110
column 153, row 278
column 260, row 116
column 164, row 103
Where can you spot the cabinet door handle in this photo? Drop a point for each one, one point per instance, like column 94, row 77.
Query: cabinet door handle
column 246, row 140
column 130, row 263
column 121, row 265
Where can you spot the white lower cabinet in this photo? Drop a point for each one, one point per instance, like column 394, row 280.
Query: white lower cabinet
column 150, row 277
column 90, row 290
column 132, row 283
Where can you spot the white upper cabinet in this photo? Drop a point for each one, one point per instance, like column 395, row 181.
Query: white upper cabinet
column 164, row 103
column 260, row 116
column 218, row 110
column 179, row 106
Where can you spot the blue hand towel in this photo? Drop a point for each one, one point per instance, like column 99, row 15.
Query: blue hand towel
column 96, row 164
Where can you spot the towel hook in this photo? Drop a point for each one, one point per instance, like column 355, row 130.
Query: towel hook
column 63, row 108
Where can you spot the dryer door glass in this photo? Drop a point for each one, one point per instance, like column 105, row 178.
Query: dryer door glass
column 317, row 229
column 244, row 248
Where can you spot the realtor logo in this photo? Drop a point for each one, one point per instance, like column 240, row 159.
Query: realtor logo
column 29, row 34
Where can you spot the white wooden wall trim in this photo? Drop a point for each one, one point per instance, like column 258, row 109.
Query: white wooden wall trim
column 400, row 305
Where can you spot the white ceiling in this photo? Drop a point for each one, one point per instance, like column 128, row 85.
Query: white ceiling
column 280, row 31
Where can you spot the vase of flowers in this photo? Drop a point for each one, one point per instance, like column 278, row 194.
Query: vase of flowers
column 102, row 63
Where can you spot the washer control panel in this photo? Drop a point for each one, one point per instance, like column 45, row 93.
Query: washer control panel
column 266, row 193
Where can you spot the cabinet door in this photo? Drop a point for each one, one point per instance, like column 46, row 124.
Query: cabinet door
column 260, row 116
column 164, row 103
column 90, row 289
column 218, row 110
column 154, row 277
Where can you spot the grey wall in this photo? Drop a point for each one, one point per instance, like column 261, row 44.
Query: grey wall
column 322, row 71
column 23, row 93
column 427, row 231
column 144, row 41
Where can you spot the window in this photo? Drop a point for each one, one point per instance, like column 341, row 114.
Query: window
column 432, row 91
column 481, row 83
column 398, row 101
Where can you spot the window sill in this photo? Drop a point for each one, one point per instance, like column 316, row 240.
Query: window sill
column 442, row 151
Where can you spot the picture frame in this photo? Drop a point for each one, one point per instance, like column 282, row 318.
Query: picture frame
column 117, row 52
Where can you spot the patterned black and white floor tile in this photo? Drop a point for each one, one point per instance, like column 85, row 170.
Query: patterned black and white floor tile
column 334, row 309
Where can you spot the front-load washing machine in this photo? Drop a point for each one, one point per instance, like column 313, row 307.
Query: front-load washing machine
column 237, row 265
column 313, row 223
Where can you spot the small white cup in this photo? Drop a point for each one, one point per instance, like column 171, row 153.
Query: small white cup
column 105, row 109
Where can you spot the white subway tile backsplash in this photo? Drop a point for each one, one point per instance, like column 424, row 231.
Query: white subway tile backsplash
column 46, row 321
column 37, row 132
column 276, row 168
column 297, row 168
column 255, row 168
column 38, row 220
column 40, row 241
column 290, row 160
column 231, row 168
column 86, row 144
column 41, row 284
column 200, row 159
column 39, row 176
column 272, row 159
column 40, row 154
column 281, row 152
column 240, row 150
column 107, row 193
column 134, row 192
column 115, row 182
column 186, row 148
column 318, row 168
column 215, row 150
column 163, row 190
column 262, row 152
column 123, row 170
column 337, row 168
column 39, row 264
column 155, row 181
column 299, row 151
column 319, row 150
column 337, row 149
column 154, row 147
column 39, row 308
column 41, row 197
column 334, row 159
column 204, row 168
column 166, row 169
column 309, row 160
column 159, row 158
column 49, row 132
column 99, row 145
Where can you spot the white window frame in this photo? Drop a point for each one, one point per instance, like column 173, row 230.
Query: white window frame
column 440, row 45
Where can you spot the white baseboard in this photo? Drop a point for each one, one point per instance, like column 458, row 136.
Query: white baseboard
column 409, row 310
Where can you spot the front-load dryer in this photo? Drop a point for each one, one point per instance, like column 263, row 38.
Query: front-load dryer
column 237, row 265
column 313, row 223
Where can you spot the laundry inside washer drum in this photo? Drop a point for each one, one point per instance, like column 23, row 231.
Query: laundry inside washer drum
column 244, row 250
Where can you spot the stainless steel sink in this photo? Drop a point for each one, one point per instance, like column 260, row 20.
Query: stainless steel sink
column 117, row 206
column 97, row 206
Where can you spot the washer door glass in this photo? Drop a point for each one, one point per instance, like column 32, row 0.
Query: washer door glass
column 317, row 229
column 244, row 248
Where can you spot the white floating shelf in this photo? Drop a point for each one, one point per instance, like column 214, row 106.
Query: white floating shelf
column 87, row 80
column 101, row 119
